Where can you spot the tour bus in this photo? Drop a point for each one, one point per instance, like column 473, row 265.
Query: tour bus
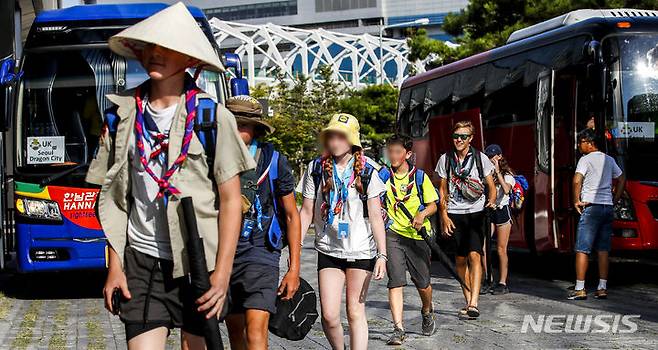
column 532, row 96
column 67, row 70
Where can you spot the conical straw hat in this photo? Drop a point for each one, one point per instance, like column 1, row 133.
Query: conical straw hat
column 173, row 28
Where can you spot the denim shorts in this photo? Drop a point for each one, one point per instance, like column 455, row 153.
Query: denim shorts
column 595, row 229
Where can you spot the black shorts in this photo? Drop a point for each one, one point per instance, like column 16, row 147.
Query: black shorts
column 158, row 300
column 469, row 232
column 326, row 261
column 253, row 286
column 501, row 216
column 407, row 254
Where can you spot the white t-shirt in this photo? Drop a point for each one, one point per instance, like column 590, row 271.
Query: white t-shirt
column 598, row 170
column 502, row 198
column 148, row 228
column 457, row 203
column 360, row 243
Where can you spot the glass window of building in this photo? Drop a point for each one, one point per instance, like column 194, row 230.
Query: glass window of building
column 259, row 10
column 342, row 5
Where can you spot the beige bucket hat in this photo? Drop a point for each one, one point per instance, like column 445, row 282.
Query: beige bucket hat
column 345, row 124
column 173, row 28
column 248, row 110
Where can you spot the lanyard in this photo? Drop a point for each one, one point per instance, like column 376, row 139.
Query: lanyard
column 339, row 193
column 141, row 135
column 253, row 147
column 409, row 188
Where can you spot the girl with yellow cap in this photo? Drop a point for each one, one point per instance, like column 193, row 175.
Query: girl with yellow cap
column 340, row 189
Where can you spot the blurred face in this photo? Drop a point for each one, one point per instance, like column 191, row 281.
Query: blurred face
column 496, row 158
column 336, row 144
column 591, row 123
column 397, row 155
column 161, row 63
column 247, row 132
column 461, row 138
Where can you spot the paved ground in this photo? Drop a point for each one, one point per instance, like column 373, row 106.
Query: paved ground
column 64, row 311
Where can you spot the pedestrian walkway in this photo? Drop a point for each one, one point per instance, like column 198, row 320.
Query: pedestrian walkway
column 68, row 313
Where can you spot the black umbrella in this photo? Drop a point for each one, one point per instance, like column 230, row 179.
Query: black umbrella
column 438, row 252
column 199, row 279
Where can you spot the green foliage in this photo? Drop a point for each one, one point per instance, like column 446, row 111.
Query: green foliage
column 303, row 107
column 486, row 24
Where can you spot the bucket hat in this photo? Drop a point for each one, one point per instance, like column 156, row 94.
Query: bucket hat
column 345, row 124
column 248, row 110
column 173, row 28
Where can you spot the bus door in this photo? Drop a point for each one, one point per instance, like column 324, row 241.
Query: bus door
column 544, row 181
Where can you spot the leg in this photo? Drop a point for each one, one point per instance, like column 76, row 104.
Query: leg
column 503, row 239
column 461, row 264
column 236, row 325
column 581, row 265
column 357, row 281
column 153, row 339
column 474, row 259
column 603, row 265
column 396, row 301
column 332, row 282
column 426, row 298
column 190, row 341
column 257, row 332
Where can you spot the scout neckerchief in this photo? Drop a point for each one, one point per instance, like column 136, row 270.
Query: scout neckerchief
column 460, row 170
column 339, row 192
column 141, row 135
column 408, row 189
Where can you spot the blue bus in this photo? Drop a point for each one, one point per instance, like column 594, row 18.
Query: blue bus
column 58, row 115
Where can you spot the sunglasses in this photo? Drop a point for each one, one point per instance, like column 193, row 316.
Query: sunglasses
column 464, row 137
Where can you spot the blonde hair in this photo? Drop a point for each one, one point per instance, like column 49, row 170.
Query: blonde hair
column 463, row 124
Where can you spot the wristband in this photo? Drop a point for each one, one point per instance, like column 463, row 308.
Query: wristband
column 382, row 256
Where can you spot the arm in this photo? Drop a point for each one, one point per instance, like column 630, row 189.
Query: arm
column 419, row 219
column 619, row 188
column 379, row 232
column 290, row 282
column 577, row 187
column 116, row 278
column 306, row 214
column 446, row 224
column 230, row 220
column 506, row 187
column 491, row 191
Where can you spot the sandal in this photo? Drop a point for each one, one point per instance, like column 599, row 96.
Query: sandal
column 473, row 312
column 463, row 312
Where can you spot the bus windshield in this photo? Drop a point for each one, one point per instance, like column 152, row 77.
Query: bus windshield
column 634, row 118
column 62, row 103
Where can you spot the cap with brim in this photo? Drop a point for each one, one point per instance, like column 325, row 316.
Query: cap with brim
column 173, row 28
column 248, row 110
column 345, row 124
column 493, row 150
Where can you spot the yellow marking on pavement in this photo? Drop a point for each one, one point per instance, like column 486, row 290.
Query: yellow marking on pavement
column 5, row 306
column 58, row 339
column 96, row 339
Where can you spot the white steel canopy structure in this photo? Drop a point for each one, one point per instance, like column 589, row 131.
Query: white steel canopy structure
column 266, row 49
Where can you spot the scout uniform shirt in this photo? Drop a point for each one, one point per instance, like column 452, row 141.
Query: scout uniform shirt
column 111, row 169
column 401, row 223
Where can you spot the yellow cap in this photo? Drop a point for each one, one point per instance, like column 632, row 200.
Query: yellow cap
column 345, row 124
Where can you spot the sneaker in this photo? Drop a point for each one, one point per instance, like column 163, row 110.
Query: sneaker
column 601, row 294
column 486, row 288
column 500, row 289
column 429, row 323
column 397, row 337
column 580, row 294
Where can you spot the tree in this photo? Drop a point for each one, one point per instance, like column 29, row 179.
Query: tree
column 486, row 24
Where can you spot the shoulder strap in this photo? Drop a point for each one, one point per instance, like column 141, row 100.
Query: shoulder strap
column 447, row 165
column 316, row 173
column 366, row 175
column 205, row 126
column 478, row 163
column 384, row 174
column 419, row 179
column 273, row 176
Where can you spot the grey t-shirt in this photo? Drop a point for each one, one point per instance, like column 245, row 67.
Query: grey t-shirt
column 457, row 204
column 598, row 170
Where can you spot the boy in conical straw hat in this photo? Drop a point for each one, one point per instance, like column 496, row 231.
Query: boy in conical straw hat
column 152, row 161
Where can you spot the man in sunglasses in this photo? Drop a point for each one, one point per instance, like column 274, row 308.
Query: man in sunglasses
column 466, row 187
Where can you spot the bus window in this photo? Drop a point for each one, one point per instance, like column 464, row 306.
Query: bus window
column 544, row 115
column 499, row 111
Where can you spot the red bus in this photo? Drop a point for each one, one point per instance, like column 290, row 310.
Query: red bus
column 533, row 95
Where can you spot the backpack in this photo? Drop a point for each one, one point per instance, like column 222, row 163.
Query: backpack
column 317, row 174
column 294, row 318
column 517, row 195
column 419, row 178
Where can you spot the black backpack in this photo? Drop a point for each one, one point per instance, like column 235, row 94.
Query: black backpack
column 295, row 317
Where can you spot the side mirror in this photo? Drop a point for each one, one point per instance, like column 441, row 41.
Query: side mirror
column 239, row 85
column 8, row 81
column 593, row 52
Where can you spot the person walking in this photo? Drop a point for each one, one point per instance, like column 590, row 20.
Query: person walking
column 254, row 283
column 409, row 187
column 145, row 164
column 594, row 200
column 501, row 215
column 341, row 193
column 466, row 188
